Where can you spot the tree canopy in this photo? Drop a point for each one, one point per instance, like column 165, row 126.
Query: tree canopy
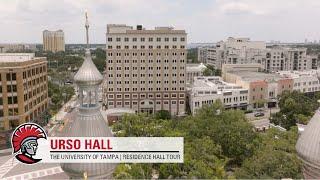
column 295, row 107
column 217, row 143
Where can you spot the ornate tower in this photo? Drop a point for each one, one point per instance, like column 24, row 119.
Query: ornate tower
column 89, row 121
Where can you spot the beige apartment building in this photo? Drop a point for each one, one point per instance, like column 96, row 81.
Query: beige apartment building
column 53, row 41
column 245, row 51
column 146, row 69
column 263, row 87
column 23, row 89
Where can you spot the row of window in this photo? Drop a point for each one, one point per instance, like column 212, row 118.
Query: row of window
column 35, row 102
column 235, row 99
column 119, row 89
column 10, row 99
column 144, row 47
column 144, row 82
column 305, row 83
column 142, row 96
column 144, row 61
column 109, row 54
column 143, row 39
column 10, row 77
column 144, row 68
column 144, row 75
column 35, row 92
column 34, row 71
column 135, row 103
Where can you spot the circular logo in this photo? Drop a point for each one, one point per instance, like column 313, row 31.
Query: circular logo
column 24, row 142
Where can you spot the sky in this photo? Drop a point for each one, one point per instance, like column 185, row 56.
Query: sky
column 22, row 21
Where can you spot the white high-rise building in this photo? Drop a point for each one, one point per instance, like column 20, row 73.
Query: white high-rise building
column 146, row 69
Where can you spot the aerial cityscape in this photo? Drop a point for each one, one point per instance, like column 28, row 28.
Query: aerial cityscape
column 238, row 82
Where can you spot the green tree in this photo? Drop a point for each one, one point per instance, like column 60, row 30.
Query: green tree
column 163, row 114
column 211, row 71
column 193, row 55
column 100, row 59
column 274, row 158
column 215, row 141
column 294, row 107
column 208, row 72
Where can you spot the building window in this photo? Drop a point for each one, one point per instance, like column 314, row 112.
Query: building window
column 109, row 39
column 8, row 77
column 118, row 39
column 12, row 100
column 150, row 39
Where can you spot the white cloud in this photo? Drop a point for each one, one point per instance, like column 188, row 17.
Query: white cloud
column 239, row 8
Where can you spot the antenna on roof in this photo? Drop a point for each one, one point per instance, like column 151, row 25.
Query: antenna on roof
column 87, row 28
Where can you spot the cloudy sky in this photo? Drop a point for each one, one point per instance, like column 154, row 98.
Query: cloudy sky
column 204, row 20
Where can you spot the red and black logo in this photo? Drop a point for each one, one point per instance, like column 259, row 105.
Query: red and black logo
column 24, row 142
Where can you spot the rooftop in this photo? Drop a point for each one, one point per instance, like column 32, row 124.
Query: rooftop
column 213, row 83
column 124, row 29
column 257, row 76
column 297, row 74
column 195, row 67
column 16, row 57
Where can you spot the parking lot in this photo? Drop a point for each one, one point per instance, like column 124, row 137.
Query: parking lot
column 266, row 115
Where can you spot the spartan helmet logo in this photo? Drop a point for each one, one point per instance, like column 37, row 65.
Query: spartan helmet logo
column 24, row 140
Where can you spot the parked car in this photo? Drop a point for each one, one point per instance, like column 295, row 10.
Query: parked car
column 258, row 114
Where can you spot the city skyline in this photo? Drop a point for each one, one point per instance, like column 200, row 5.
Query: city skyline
column 208, row 21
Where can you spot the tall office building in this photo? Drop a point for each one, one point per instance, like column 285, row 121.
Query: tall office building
column 23, row 89
column 146, row 69
column 53, row 41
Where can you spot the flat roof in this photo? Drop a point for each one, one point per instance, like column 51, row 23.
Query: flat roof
column 16, row 57
column 256, row 76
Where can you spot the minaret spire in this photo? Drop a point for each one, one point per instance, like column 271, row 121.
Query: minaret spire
column 87, row 29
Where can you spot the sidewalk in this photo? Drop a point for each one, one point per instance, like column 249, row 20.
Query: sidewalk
column 59, row 117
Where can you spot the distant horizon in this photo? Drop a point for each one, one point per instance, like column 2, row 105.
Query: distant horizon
column 275, row 41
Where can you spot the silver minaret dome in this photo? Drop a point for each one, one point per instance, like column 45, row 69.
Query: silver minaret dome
column 308, row 148
column 89, row 121
column 88, row 74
